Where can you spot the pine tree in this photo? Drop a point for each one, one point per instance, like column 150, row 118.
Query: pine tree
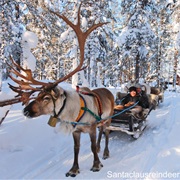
column 140, row 40
column 136, row 39
column 12, row 29
column 176, row 38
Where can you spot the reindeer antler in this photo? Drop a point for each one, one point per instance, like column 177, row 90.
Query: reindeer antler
column 81, row 36
column 25, row 89
column 29, row 77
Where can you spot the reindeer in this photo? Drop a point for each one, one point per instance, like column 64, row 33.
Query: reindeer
column 77, row 111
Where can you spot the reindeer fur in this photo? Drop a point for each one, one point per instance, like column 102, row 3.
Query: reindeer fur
column 44, row 104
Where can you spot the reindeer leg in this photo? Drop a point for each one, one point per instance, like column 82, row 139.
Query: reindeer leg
column 98, row 146
column 106, row 149
column 96, row 164
column 75, row 168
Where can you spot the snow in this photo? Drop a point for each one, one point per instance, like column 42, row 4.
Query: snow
column 84, row 22
column 64, row 36
column 30, row 39
column 178, row 39
column 31, row 149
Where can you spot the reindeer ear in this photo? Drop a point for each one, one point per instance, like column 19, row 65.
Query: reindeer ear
column 61, row 91
column 56, row 92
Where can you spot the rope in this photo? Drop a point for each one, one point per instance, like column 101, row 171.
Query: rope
column 74, row 123
column 119, row 101
column 124, row 110
column 98, row 118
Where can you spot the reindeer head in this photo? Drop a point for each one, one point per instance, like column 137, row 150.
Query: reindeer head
column 44, row 103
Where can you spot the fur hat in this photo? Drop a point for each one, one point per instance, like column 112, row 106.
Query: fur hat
column 132, row 88
column 138, row 85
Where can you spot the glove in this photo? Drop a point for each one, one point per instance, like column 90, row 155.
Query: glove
column 129, row 104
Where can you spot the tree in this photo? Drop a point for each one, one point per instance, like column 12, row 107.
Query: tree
column 11, row 31
column 140, row 39
column 136, row 40
column 176, row 37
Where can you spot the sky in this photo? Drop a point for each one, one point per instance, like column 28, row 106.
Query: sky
column 31, row 149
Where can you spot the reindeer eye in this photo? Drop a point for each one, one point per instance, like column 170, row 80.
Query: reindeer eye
column 46, row 98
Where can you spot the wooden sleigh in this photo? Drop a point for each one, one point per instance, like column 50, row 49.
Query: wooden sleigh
column 124, row 121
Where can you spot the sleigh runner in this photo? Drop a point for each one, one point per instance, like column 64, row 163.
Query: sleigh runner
column 128, row 123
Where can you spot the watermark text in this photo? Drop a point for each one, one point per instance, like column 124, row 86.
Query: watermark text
column 143, row 175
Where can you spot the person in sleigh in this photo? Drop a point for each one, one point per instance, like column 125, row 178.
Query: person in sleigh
column 143, row 98
column 135, row 100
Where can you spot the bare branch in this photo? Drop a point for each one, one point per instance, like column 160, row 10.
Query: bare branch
column 9, row 102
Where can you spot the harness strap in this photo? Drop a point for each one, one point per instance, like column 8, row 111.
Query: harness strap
column 61, row 109
column 53, row 119
column 81, row 111
column 98, row 101
column 95, row 95
column 98, row 118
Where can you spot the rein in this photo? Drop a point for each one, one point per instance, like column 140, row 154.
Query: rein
column 98, row 118
column 124, row 110
column 83, row 108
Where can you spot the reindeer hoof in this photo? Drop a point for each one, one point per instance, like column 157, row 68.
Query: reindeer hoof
column 105, row 156
column 72, row 174
column 96, row 169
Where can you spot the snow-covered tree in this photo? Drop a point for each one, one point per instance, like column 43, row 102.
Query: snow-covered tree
column 11, row 30
column 29, row 41
column 136, row 40
column 176, row 38
column 140, row 40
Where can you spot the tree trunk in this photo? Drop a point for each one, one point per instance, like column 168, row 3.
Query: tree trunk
column 137, row 67
column 175, row 69
column 0, row 76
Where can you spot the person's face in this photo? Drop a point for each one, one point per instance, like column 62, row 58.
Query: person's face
column 138, row 90
column 133, row 93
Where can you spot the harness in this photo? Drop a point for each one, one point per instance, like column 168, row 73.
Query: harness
column 53, row 119
column 83, row 108
column 96, row 97
column 81, row 111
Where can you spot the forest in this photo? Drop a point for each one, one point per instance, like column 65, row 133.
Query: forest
column 136, row 41
column 140, row 39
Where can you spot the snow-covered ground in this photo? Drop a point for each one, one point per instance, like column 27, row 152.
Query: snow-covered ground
column 31, row 149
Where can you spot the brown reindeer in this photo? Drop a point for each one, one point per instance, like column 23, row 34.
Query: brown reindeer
column 77, row 111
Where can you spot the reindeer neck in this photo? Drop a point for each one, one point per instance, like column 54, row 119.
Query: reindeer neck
column 57, row 113
column 72, row 106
